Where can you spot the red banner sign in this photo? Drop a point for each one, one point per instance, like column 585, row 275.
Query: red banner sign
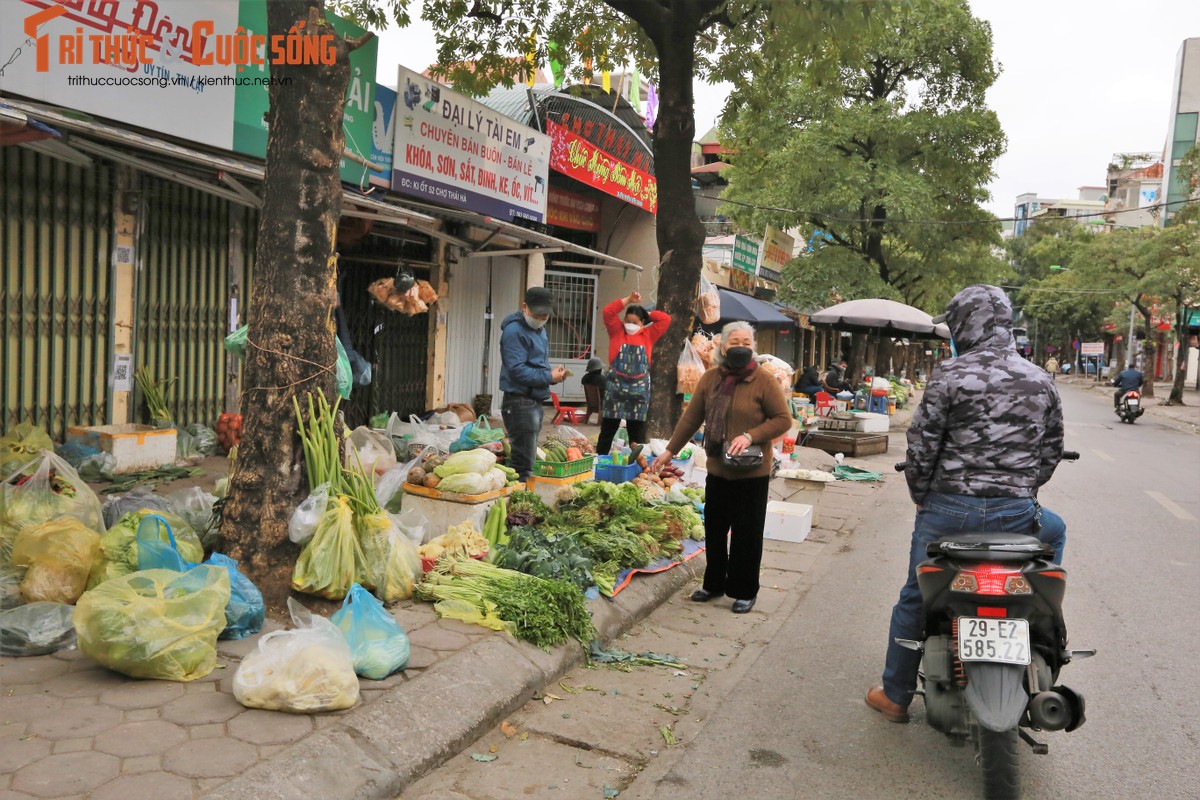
column 585, row 162
column 570, row 210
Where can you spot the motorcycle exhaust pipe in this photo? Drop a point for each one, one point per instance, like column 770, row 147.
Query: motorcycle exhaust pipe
column 1050, row 711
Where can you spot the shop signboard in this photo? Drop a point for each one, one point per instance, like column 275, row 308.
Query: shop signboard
column 572, row 210
column 1092, row 349
column 591, row 164
column 776, row 250
column 745, row 254
column 191, row 69
column 455, row 151
column 383, row 134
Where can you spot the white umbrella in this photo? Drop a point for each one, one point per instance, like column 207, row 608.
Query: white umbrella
column 879, row 316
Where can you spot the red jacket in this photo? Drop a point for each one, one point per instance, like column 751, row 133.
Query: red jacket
column 614, row 321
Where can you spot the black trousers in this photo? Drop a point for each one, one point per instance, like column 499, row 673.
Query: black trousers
column 735, row 512
column 609, row 428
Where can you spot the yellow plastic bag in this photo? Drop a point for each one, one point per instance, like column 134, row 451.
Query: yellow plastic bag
column 58, row 555
column 332, row 560
column 156, row 623
column 304, row 670
column 464, row 611
column 391, row 566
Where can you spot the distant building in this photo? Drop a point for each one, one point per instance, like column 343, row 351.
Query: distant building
column 1086, row 209
column 1181, row 127
column 1134, row 188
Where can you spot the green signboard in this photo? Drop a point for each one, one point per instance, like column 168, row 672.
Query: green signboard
column 745, row 254
column 252, row 102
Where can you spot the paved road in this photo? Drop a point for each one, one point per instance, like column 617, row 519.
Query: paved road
column 795, row 724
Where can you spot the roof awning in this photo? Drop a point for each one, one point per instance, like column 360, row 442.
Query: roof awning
column 17, row 128
column 536, row 241
column 737, row 307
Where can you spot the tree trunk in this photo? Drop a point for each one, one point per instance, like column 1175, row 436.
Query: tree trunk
column 1150, row 351
column 680, row 232
column 883, row 357
column 1181, row 360
column 857, row 359
column 294, row 282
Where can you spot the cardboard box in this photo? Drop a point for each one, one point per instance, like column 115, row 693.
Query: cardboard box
column 787, row 522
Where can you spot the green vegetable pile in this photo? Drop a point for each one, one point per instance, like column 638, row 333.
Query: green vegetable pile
column 542, row 612
column 530, row 551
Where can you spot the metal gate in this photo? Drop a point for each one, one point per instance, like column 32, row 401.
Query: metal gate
column 183, row 297
column 55, row 242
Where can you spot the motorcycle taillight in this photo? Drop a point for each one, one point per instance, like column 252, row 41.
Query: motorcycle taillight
column 1132, row 395
column 990, row 578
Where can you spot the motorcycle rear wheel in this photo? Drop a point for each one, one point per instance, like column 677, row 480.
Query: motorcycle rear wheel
column 998, row 758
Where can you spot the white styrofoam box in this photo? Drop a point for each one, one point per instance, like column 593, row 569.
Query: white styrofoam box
column 444, row 513
column 868, row 422
column 787, row 522
column 133, row 447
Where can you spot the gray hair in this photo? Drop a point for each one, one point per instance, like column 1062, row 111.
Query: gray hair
column 717, row 356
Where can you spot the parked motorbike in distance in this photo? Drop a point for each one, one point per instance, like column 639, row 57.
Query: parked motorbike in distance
column 1129, row 408
column 995, row 642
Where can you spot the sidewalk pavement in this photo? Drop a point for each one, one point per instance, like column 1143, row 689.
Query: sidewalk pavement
column 1184, row 418
column 71, row 729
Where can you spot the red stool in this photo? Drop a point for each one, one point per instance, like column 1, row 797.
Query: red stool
column 824, row 404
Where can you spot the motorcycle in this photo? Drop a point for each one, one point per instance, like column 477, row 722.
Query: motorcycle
column 1129, row 408
column 995, row 642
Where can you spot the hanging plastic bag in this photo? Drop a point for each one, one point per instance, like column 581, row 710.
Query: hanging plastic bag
column 329, row 563
column 119, row 547
column 236, row 342
column 344, row 376
column 195, row 507
column 374, row 450
column 303, row 671
column 10, row 586
column 117, row 506
column 155, row 623
column 206, row 438
column 378, row 645
column 21, row 445
column 36, row 629
column 391, row 565
column 689, row 370
column 708, row 303
column 57, row 555
column 307, row 515
column 40, row 490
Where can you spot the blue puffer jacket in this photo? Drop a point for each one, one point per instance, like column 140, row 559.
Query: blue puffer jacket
column 524, row 359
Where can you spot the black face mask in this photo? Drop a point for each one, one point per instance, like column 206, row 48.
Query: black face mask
column 737, row 358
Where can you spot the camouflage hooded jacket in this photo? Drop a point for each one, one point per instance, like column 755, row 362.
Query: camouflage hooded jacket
column 990, row 423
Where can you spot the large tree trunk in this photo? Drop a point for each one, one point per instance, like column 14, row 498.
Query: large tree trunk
column 291, row 338
column 680, row 232
column 1181, row 361
column 857, row 359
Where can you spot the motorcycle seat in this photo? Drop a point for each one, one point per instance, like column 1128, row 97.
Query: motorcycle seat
column 993, row 546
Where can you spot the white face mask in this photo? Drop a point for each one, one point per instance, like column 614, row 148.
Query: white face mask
column 536, row 324
column 632, row 328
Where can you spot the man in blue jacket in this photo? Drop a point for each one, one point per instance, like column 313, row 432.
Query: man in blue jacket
column 526, row 376
column 1129, row 380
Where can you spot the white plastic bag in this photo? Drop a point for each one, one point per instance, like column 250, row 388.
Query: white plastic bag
column 303, row 523
column 408, row 437
column 305, row 670
column 688, row 370
column 413, row 524
column 374, row 450
column 392, row 481
column 708, row 304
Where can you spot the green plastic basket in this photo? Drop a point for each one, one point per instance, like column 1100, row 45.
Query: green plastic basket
column 562, row 469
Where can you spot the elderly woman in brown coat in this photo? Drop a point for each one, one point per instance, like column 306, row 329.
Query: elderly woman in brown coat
column 739, row 406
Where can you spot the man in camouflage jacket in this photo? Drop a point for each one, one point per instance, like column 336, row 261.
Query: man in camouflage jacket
column 988, row 433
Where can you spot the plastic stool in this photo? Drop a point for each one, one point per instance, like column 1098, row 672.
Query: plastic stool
column 879, row 404
column 824, row 404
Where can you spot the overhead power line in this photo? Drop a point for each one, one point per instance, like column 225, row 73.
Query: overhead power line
column 993, row 221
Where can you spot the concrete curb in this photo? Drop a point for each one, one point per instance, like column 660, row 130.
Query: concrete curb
column 378, row 750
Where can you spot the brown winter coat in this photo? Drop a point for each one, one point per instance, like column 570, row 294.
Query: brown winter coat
column 758, row 408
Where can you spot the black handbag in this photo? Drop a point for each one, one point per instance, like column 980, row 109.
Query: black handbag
column 749, row 458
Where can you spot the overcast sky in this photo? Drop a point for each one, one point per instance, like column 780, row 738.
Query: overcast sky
column 1080, row 80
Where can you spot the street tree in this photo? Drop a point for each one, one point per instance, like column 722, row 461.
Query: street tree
column 879, row 153
column 290, row 345
column 1044, row 246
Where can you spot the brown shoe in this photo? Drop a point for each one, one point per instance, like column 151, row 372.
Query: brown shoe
column 879, row 701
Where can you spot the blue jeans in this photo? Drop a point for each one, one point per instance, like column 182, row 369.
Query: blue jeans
column 942, row 515
column 523, row 422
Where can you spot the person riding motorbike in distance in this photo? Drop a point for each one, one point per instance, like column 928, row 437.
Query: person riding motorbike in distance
column 1128, row 380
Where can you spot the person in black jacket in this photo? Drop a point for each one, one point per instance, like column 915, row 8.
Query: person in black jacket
column 808, row 382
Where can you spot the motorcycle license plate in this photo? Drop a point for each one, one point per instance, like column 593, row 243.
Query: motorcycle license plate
column 1003, row 641
column 1134, row 403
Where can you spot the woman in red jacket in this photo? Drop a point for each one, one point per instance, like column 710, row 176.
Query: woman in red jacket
column 631, row 337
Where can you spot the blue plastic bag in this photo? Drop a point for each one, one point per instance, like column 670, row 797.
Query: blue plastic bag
column 464, row 440
column 245, row 611
column 378, row 645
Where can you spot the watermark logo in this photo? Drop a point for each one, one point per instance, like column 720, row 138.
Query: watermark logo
column 201, row 45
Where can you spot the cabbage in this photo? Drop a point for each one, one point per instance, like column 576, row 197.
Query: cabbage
column 118, row 547
column 476, row 461
column 466, row 483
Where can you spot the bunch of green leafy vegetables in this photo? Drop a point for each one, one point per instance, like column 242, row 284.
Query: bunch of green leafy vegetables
column 526, row 508
column 531, row 551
